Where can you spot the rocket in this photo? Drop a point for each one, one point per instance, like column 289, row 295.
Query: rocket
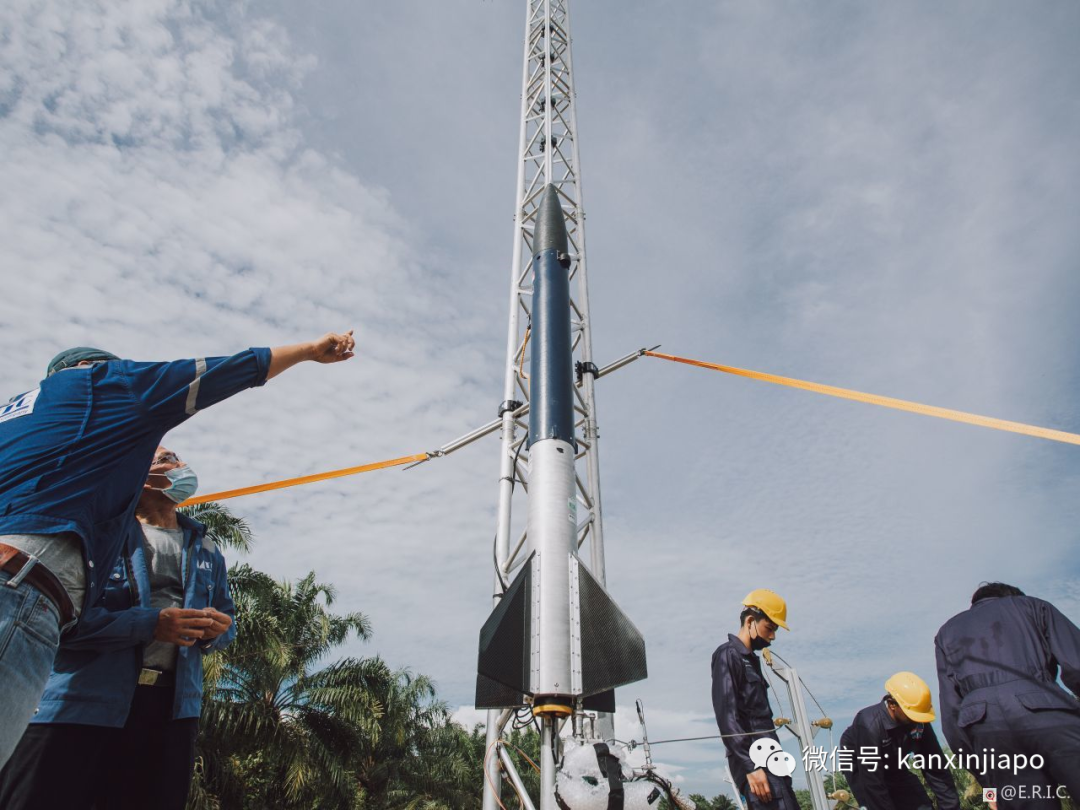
column 556, row 636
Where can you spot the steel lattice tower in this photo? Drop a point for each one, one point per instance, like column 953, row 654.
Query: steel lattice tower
column 547, row 154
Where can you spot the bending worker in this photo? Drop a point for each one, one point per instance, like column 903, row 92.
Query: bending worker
column 998, row 665
column 741, row 701
column 74, row 454
column 884, row 734
column 121, row 708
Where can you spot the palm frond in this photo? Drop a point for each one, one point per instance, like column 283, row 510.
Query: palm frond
column 222, row 526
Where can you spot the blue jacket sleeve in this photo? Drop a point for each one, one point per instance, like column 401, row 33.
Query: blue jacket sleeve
column 171, row 392
column 223, row 602
column 725, row 699
column 104, row 630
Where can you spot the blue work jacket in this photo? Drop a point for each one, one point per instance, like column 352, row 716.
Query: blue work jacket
column 998, row 663
column 75, row 452
column 97, row 667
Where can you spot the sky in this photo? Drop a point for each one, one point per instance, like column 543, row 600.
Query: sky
column 876, row 196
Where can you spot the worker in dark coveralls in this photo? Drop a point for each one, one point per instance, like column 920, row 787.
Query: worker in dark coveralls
column 998, row 664
column 74, row 455
column 741, row 701
column 884, row 734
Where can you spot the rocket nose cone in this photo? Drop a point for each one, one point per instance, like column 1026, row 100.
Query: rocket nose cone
column 550, row 224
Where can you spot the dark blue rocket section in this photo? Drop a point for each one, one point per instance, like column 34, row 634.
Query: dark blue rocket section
column 551, row 369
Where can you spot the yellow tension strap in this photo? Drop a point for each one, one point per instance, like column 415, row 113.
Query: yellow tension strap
column 887, row 402
column 305, row 479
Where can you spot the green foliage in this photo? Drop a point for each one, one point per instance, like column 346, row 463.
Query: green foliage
column 279, row 731
column 420, row 759
column 275, row 731
column 222, row 526
column 523, row 745
column 718, row 802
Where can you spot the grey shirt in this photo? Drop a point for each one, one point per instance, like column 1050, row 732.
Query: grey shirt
column 61, row 554
column 164, row 549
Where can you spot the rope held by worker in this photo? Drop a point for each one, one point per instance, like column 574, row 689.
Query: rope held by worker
column 886, row 402
column 305, row 479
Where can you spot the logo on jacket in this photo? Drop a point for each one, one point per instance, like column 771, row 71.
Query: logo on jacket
column 21, row 405
column 205, row 565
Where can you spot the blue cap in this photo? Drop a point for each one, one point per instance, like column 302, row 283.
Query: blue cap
column 72, row 357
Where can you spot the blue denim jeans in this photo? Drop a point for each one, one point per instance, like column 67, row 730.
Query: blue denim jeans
column 29, row 636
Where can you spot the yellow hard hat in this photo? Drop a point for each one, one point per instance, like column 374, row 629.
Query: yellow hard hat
column 770, row 603
column 913, row 696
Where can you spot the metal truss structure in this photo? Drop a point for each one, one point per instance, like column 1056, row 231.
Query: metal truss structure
column 547, row 154
column 801, row 726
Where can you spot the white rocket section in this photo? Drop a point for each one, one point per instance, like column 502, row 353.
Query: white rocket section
column 553, row 532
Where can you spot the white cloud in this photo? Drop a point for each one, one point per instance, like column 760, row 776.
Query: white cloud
column 876, row 198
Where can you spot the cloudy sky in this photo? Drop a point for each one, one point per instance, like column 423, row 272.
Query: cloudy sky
column 876, row 196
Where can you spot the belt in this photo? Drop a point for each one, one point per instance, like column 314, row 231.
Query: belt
column 982, row 680
column 156, row 677
column 17, row 562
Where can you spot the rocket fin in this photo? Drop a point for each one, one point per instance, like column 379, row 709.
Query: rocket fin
column 612, row 648
column 493, row 695
column 503, row 665
column 601, row 702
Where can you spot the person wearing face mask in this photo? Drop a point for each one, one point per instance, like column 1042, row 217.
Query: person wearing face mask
column 741, row 701
column 74, row 453
column 121, row 708
column 883, row 734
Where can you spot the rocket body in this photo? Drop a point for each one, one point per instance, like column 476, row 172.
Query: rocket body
column 552, row 519
column 556, row 635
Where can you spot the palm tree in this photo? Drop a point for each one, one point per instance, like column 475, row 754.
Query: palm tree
column 276, row 732
column 718, row 802
column 438, row 773
column 222, row 526
column 420, row 758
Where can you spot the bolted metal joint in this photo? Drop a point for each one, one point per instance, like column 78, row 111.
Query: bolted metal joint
column 583, row 368
column 509, row 405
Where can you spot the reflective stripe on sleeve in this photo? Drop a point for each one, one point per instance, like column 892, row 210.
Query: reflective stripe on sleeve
column 193, row 388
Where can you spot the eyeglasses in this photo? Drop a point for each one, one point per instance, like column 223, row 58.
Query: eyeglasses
column 166, row 458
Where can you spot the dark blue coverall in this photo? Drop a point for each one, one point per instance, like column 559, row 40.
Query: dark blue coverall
column 889, row 787
column 741, row 703
column 998, row 664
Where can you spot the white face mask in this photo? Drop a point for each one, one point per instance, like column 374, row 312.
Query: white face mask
column 183, row 483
